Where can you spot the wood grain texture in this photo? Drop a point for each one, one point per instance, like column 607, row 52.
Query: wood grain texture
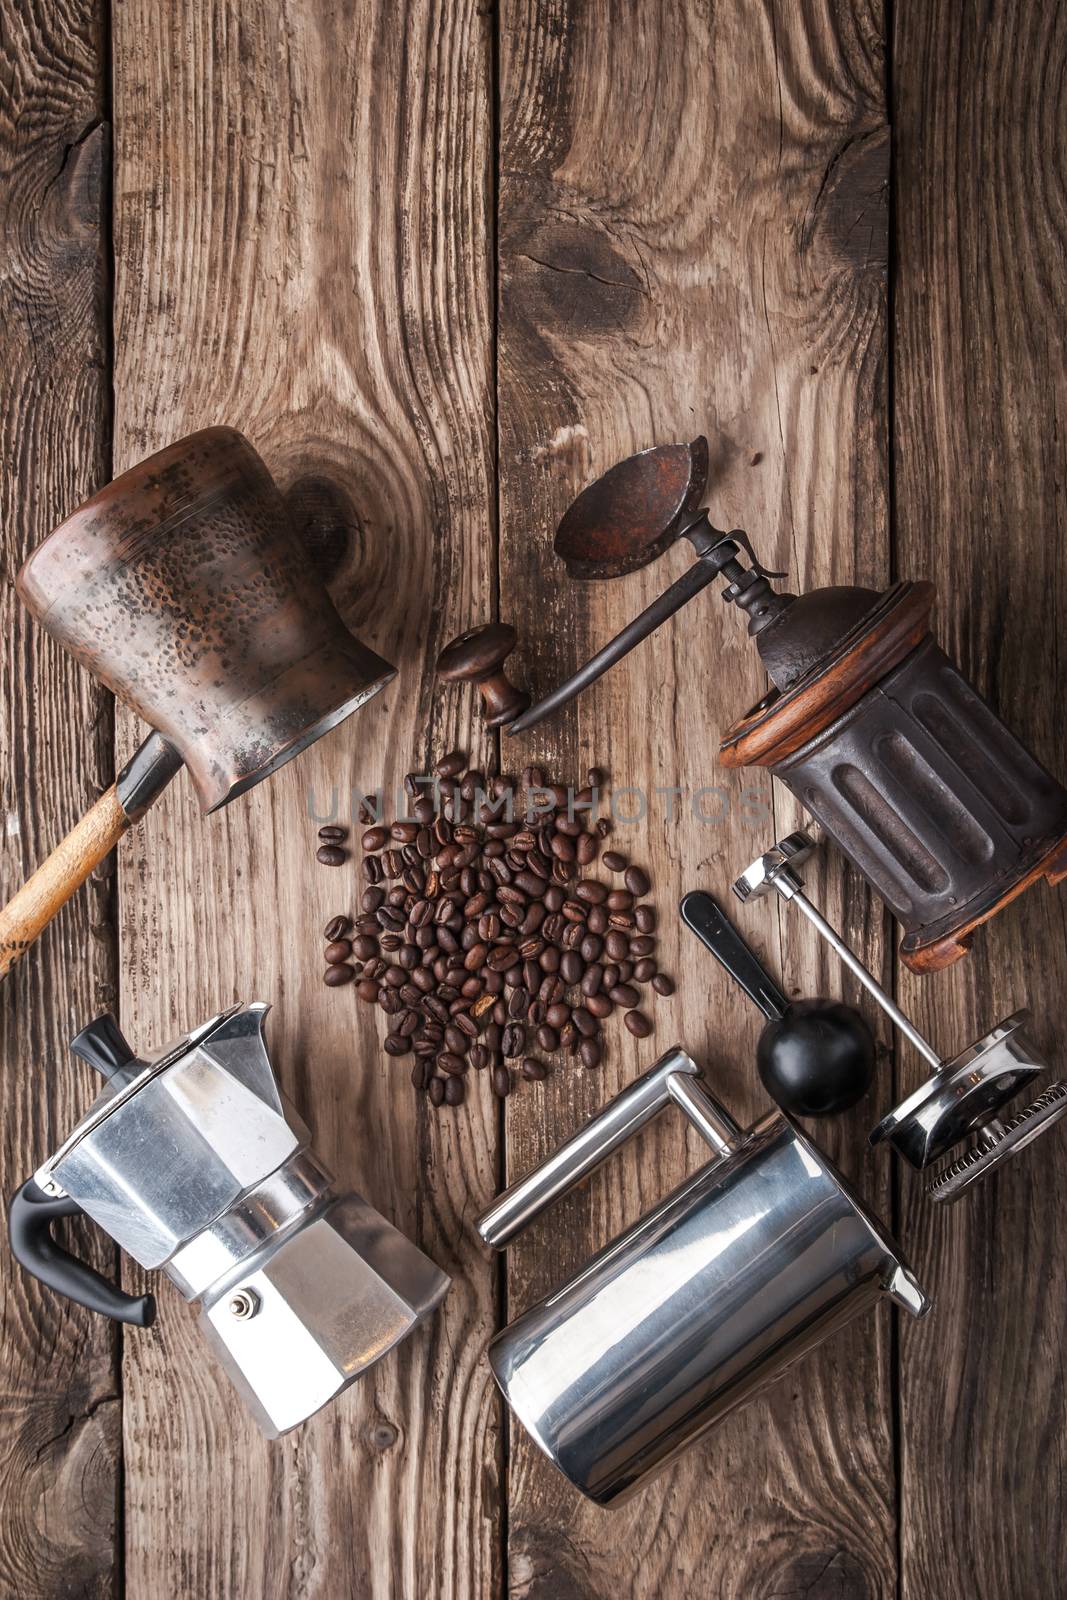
column 34, row 904
column 981, row 410
column 692, row 217
column 60, row 1422
column 301, row 251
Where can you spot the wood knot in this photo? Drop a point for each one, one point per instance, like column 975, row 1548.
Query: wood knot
column 848, row 224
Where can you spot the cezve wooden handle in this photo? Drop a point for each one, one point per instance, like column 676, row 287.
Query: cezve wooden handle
column 25, row 917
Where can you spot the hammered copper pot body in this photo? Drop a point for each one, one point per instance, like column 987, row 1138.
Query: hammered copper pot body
column 183, row 587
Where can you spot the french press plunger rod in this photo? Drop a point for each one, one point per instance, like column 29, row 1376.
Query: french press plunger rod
column 965, row 1094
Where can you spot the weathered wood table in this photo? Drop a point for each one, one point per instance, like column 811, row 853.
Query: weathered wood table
column 443, row 263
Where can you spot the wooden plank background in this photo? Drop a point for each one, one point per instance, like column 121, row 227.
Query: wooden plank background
column 443, row 263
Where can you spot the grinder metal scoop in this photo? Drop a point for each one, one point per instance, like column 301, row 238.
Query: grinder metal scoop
column 194, row 1162
column 967, row 1093
column 183, row 588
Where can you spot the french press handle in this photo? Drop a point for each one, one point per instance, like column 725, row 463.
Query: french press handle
column 675, row 1079
column 29, row 1222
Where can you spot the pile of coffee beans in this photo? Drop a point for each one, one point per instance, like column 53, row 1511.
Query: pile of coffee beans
column 482, row 935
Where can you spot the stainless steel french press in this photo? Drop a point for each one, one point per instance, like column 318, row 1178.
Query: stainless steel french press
column 704, row 1301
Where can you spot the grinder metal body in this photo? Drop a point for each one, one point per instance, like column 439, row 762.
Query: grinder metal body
column 869, row 723
column 194, row 1162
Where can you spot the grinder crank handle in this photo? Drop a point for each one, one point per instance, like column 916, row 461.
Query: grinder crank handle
column 714, row 930
column 29, row 1225
column 32, row 908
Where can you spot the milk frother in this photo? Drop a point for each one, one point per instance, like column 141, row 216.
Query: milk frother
column 750, row 1262
column 870, row 725
column 194, row 1162
column 966, row 1094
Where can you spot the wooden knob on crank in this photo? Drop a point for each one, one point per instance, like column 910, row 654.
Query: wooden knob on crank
column 478, row 656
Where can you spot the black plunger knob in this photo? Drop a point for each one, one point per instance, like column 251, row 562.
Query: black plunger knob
column 814, row 1057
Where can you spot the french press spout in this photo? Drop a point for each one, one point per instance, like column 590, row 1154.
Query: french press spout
column 869, row 724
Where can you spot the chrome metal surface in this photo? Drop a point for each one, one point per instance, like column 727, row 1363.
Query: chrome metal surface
column 964, row 1095
column 776, row 870
column 200, row 1166
column 700, row 1304
column 331, row 1300
column 999, row 1142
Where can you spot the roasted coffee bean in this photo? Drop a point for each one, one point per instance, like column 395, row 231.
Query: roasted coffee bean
column 599, row 1005
column 390, row 943
column 372, row 899
column 330, row 855
column 390, row 1002
column 501, row 957
column 335, row 976
column 619, row 900
column 437, row 1091
column 585, row 849
column 423, row 811
column 366, row 989
column 636, row 881
column 547, row 1037
column 614, row 861
column 638, row 1024
column 644, row 970
column 513, row 1042
column 531, row 976
column 340, row 950
column 645, row 919
column 571, row 827
column 336, row 928
column 617, row 945
column 534, row 1070
column 466, row 1024
column 475, row 958
column 413, row 782
column 584, row 1022
column 455, row 1093
column 369, row 808
column 500, row 1012
column 375, row 838
column 422, row 978
column 572, row 967
column 603, row 826
column 478, row 1056
column 624, row 995
column 533, row 778
column 396, row 1044
column 388, row 917
column 333, row 833
column 455, row 1040
column 643, row 945
column 595, row 777
column 590, row 892
column 554, row 898
column 626, row 969
column 449, row 1062
column 518, row 1003
column 562, row 848
column 471, row 988
column 592, row 979
column 372, row 869
column 662, row 984
column 573, row 934
column 591, row 1053
column 558, row 1014
column 420, row 1073
column 501, row 1082
column 410, row 995
column 393, row 862
column 408, row 1021
column 549, row 959
column 451, row 765
column 591, row 947
column 597, row 920
column 569, row 1038
column 404, row 832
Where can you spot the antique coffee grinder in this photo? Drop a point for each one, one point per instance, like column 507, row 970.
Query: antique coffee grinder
column 965, row 1095
column 750, row 1262
column 193, row 1161
column 872, row 727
